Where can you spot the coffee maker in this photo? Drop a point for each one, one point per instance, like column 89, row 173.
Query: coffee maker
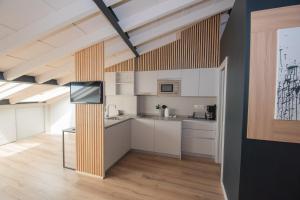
column 211, row 112
column 199, row 111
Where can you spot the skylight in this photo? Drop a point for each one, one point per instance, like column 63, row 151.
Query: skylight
column 9, row 88
column 48, row 95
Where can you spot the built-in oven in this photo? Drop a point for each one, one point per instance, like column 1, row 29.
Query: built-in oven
column 168, row 87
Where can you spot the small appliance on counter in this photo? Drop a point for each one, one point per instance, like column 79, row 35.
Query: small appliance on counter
column 207, row 112
column 199, row 111
column 111, row 111
column 167, row 113
column 211, row 112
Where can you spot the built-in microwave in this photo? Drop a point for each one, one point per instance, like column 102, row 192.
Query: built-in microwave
column 168, row 87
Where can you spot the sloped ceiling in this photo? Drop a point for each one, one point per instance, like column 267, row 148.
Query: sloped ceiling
column 39, row 37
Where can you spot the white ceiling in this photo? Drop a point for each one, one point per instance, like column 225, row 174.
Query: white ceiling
column 40, row 37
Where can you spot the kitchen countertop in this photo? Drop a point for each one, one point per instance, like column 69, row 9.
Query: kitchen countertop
column 178, row 118
column 112, row 122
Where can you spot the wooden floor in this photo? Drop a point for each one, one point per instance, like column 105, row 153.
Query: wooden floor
column 32, row 170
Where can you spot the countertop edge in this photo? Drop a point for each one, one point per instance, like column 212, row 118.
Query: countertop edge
column 118, row 122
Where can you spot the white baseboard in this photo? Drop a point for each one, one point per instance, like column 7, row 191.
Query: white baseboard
column 224, row 191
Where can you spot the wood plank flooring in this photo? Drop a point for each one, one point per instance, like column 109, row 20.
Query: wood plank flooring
column 31, row 169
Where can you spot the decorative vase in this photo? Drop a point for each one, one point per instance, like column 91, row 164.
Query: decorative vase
column 162, row 112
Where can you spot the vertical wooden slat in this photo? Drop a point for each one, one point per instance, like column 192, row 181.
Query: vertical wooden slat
column 89, row 65
column 198, row 47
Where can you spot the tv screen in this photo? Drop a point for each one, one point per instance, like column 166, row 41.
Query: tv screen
column 86, row 92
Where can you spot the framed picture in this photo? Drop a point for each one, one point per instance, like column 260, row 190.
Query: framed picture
column 274, row 75
column 287, row 106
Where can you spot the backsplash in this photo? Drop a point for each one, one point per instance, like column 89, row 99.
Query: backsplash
column 127, row 104
column 179, row 105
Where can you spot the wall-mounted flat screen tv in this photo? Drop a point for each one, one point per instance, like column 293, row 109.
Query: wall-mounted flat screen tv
column 86, row 92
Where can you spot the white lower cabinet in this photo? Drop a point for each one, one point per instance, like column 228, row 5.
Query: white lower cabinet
column 158, row 136
column 116, row 143
column 199, row 146
column 167, row 137
column 199, row 137
column 142, row 134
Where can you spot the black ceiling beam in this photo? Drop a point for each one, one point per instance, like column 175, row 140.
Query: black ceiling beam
column 4, row 102
column 28, row 79
column 25, row 79
column 112, row 18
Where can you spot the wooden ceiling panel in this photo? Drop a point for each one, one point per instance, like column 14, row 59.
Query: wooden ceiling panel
column 117, row 58
column 63, row 36
column 56, row 73
column 41, row 70
column 6, row 62
column 63, row 61
column 58, row 4
column 114, row 46
column 178, row 21
column 32, row 50
column 17, row 14
column 155, row 44
column 5, row 31
column 60, row 52
column 92, row 23
column 131, row 7
column 66, row 79
column 154, row 12
column 29, row 92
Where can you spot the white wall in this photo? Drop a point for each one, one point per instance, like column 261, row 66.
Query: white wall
column 179, row 105
column 60, row 115
column 8, row 130
column 30, row 121
column 127, row 104
column 21, row 121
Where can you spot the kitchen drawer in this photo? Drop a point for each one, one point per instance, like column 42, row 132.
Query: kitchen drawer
column 198, row 146
column 199, row 133
column 201, row 125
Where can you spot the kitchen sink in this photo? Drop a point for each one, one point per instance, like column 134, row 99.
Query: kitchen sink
column 114, row 118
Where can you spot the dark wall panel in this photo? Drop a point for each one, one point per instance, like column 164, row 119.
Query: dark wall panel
column 233, row 46
column 270, row 170
column 253, row 170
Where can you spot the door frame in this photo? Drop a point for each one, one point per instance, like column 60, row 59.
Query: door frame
column 221, row 136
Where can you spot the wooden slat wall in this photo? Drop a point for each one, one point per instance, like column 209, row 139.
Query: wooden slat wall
column 89, row 66
column 198, row 47
column 127, row 65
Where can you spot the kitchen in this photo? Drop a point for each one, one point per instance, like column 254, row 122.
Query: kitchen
column 141, row 116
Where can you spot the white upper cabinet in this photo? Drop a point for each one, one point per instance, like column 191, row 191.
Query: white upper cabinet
column 190, row 82
column 146, row 83
column 169, row 74
column 125, row 83
column 110, row 83
column 209, row 81
column 119, row 83
column 194, row 82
